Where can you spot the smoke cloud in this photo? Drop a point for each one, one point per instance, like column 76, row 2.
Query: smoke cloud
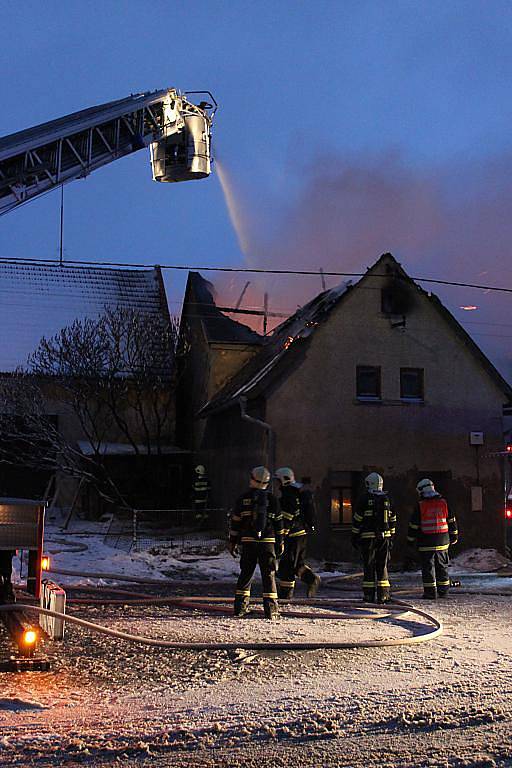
column 453, row 223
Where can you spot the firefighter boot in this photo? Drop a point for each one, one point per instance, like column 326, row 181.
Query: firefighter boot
column 285, row 589
column 312, row 582
column 241, row 605
column 369, row 594
column 383, row 594
column 429, row 593
column 270, row 608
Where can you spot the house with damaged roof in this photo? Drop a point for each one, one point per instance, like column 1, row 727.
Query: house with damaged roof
column 375, row 375
column 100, row 399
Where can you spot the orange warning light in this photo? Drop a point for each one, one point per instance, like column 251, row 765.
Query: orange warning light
column 45, row 563
column 29, row 637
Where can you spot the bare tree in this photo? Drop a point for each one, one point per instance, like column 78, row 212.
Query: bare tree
column 115, row 375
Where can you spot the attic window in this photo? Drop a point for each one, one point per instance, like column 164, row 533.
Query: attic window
column 395, row 299
column 368, row 382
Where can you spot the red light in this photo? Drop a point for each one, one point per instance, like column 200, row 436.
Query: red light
column 509, row 448
column 508, row 514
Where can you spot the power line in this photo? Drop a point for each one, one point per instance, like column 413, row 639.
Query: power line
column 246, row 270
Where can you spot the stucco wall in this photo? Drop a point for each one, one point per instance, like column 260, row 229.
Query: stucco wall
column 321, row 427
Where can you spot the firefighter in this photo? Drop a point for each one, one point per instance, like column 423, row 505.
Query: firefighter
column 433, row 529
column 298, row 513
column 6, row 589
column 256, row 530
column 373, row 529
column 200, row 492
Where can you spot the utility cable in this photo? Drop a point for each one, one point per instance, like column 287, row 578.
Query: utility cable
column 245, row 270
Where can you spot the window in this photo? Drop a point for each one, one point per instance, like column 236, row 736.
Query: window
column 411, row 383
column 368, row 382
column 341, row 506
column 395, row 298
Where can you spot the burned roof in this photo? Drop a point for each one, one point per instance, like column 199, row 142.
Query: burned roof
column 39, row 299
column 282, row 344
column 218, row 327
column 276, row 347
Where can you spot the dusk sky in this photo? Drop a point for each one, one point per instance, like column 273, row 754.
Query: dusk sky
column 345, row 129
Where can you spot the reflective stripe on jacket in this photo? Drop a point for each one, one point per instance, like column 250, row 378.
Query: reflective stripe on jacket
column 434, row 515
column 374, row 517
column 200, row 490
column 298, row 510
column 432, row 526
column 256, row 512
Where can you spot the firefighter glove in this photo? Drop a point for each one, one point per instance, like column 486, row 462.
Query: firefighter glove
column 355, row 541
column 279, row 549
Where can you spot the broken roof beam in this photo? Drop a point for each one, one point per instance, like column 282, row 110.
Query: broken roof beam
column 259, row 312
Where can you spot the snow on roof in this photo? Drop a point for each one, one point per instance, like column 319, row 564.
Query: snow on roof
column 38, row 300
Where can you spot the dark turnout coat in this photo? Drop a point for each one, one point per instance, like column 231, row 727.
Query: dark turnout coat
column 256, row 518
column 297, row 509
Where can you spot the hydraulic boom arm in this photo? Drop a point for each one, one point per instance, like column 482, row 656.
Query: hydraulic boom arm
column 177, row 131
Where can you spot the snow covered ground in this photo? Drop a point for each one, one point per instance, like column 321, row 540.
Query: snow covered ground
column 107, row 703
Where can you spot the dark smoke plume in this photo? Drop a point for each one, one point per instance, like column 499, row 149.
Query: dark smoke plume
column 454, row 223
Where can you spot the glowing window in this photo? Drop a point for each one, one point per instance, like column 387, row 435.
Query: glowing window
column 341, row 506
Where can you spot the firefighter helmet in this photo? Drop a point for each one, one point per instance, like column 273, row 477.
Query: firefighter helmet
column 425, row 486
column 374, row 482
column 285, row 475
column 261, row 476
column 200, row 470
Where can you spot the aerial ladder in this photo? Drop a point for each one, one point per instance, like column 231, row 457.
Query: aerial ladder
column 177, row 131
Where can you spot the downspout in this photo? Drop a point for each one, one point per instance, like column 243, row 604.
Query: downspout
column 271, row 444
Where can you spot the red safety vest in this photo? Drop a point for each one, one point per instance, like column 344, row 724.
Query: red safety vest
column 434, row 516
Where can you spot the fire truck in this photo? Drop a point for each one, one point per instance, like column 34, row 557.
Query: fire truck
column 36, row 160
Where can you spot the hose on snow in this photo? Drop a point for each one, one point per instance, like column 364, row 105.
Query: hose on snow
column 250, row 646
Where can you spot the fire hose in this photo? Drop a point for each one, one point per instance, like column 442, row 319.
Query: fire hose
column 199, row 604
column 250, row 646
